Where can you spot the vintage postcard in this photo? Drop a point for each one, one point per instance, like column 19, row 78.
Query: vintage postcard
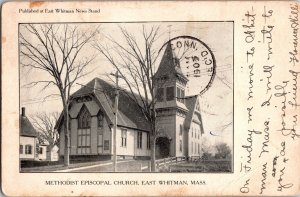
column 150, row 98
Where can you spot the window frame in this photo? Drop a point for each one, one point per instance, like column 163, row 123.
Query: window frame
column 172, row 96
column 28, row 149
column 84, row 118
column 100, row 119
column 139, row 139
column 180, row 130
column 123, row 137
column 106, row 145
column 160, row 96
column 180, row 145
column 40, row 150
column 180, row 93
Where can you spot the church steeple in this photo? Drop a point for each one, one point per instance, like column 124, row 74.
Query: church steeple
column 170, row 82
column 169, row 66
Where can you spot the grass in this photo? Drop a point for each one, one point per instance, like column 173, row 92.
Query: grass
column 199, row 166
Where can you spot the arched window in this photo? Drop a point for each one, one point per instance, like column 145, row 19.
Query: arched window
column 100, row 118
column 84, row 119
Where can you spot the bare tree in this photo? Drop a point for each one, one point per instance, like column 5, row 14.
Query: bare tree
column 223, row 151
column 135, row 62
column 57, row 50
column 45, row 123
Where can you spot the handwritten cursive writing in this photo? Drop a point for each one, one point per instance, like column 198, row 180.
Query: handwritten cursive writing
column 294, row 23
column 280, row 180
column 266, row 138
column 264, row 175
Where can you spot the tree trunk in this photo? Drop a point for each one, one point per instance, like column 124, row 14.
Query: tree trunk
column 152, row 146
column 67, row 140
column 153, row 140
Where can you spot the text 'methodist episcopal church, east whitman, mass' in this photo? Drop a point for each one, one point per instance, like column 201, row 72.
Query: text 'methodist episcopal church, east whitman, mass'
column 91, row 114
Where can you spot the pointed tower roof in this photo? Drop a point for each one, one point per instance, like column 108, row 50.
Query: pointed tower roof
column 169, row 65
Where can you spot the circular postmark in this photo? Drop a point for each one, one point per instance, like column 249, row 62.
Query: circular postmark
column 197, row 62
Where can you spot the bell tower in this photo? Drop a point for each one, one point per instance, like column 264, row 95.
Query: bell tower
column 170, row 85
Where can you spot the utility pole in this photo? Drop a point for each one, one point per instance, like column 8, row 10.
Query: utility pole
column 116, row 120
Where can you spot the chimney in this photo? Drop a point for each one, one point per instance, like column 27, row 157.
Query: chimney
column 23, row 111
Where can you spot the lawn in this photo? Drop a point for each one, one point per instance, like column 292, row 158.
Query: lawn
column 199, row 166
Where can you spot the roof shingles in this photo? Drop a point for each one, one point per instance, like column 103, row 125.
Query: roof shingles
column 130, row 114
column 26, row 128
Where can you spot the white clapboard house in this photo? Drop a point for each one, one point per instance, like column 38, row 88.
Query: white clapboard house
column 28, row 139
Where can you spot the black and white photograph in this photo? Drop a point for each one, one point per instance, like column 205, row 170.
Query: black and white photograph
column 150, row 98
column 126, row 97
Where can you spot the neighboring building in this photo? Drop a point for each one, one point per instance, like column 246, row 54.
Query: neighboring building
column 91, row 119
column 28, row 139
column 52, row 153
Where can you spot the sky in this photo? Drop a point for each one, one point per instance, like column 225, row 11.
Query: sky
column 216, row 103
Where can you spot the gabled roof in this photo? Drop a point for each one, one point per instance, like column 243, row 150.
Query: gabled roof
column 129, row 114
column 26, row 127
column 190, row 102
column 169, row 65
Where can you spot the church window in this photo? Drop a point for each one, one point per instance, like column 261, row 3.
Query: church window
column 84, row 131
column 160, row 94
column 139, row 139
column 106, row 144
column 100, row 118
column 170, row 93
column 100, row 141
column 180, row 95
column 181, row 128
column 123, row 137
column 84, row 119
column 84, row 141
column 180, row 145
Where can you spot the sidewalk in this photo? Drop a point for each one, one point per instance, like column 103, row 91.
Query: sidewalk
column 62, row 168
column 91, row 166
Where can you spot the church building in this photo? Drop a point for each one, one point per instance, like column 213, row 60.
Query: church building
column 91, row 112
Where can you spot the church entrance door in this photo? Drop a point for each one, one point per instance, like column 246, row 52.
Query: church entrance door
column 162, row 147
